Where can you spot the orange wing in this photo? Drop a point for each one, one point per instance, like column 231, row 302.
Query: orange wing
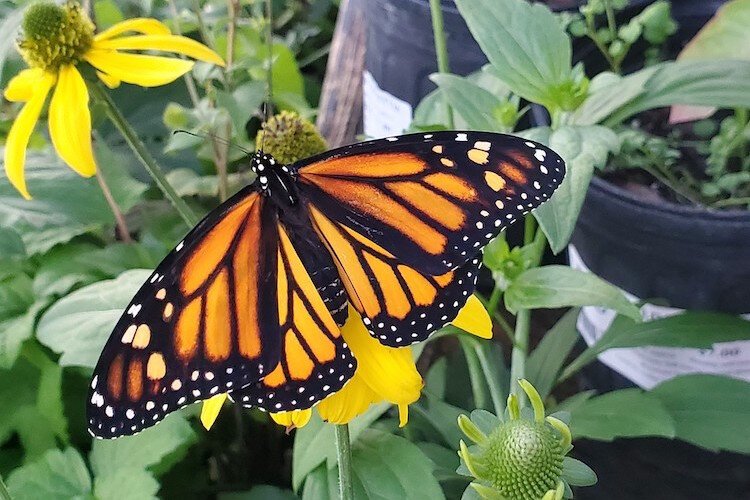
column 399, row 305
column 432, row 200
column 315, row 361
column 204, row 323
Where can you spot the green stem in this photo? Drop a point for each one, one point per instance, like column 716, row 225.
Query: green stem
column 496, row 393
column 441, row 49
column 475, row 371
column 344, row 455
column 145, row 157
column 4, row 493
column 497, row 294
column 520, row 350
column 731, row 202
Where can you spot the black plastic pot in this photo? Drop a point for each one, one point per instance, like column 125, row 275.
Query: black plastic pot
column 692, row 257
column 401, row 55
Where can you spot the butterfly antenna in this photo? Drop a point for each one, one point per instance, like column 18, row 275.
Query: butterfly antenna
column 214, row 137
column 269, row 70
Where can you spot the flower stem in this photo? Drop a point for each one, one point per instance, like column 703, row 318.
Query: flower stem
column 122, row 225
column 145, row 157
column 441, row 49
column 344, row 455
column 4, row 493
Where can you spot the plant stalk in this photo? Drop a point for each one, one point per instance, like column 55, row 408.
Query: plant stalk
column 441, row 49
column 344, row 456
column 122, row 225
column 145, row 157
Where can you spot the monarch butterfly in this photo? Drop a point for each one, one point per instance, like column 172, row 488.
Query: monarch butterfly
column 251, row 301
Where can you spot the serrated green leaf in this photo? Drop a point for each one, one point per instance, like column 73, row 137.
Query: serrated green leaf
column 242, row 103
column 11, row 244
column 545, row 362
column 474, row 104
column 91, row 313
column 708, row 410
column 143, row 450
column 56, row 475
column 700, row 330
column 561, row 286
column 516, row 37
column 582, row 148
column 443, row 417
column 8, row 33
column 608, row 92
column 623, row 413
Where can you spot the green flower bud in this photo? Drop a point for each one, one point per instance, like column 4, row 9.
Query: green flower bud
column 289, row 137
column 55, row 35
column 521, row 458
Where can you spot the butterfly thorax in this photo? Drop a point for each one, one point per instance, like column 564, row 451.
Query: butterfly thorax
column 275, row 179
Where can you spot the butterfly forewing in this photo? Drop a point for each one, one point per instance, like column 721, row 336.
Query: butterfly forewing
column 203, row 323
column 432, row 200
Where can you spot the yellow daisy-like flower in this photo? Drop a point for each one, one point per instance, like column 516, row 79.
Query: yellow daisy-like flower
column 383, row 374
column 55, row 40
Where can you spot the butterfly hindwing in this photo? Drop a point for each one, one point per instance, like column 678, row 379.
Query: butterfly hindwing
column 432, row 200
column 315, row 361
column 399, row 305
column 203, row 323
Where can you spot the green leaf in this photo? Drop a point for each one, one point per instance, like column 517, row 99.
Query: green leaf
column 389, row 466
column 315, row 443
column 700, row 330
column 242, row 103
column 65, row 205
column 441, row 416
column 721, row 83
column 545, row 362
column 14, row 331
column 474, row 104
column 56, row 475
column 11, row 244
column 8, row 33
column 91, row 313
column 316, row 485
column 188, row 183
column 726, row 35
column 144, row 450
column 708, row 410
column 261, row 492
column 582, row 148
column 623, row 413
column 561, row 286
column 608, row 92
column 517, row 38
column 577, row 473
column 126, row 483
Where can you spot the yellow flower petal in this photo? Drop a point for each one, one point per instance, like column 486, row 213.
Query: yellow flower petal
column 139, row 69
column 352, row 400
column 70, row 121
column 20, row 132
column 473, row 318
column 109, row 81
column 292, row 419
column 210, row 410
column 21, row 87
column 139, row 25
column 389, row 372
column 167, row 43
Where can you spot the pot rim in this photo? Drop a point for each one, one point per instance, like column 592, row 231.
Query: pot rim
column 630, row 200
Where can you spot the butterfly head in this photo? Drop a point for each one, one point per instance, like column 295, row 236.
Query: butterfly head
column 262, row 165
column 273, row 176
